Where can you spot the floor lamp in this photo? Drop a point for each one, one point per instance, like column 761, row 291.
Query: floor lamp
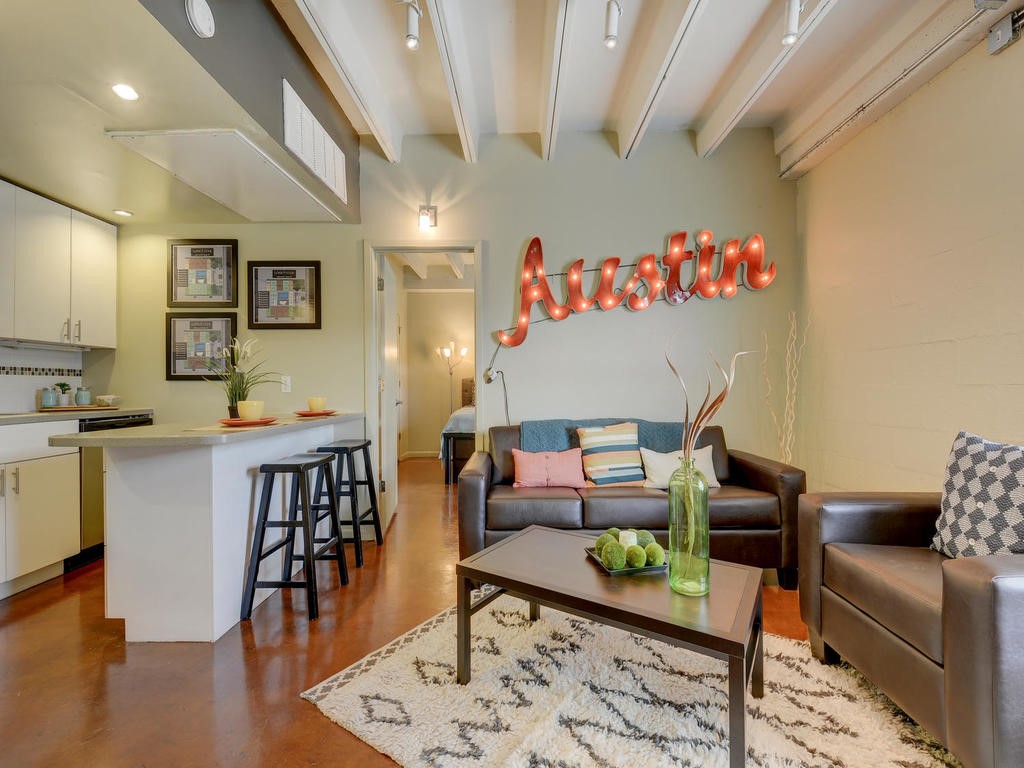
column 447, row 354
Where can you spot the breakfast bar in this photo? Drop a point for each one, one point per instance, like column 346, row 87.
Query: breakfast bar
column 180, row 508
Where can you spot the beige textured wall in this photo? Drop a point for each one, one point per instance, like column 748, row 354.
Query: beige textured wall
column 587, row 203
column 912, row 239
column 434, row 319
column 327, row 361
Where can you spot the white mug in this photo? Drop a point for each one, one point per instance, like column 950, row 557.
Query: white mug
column 317, row 403
column 250, row 410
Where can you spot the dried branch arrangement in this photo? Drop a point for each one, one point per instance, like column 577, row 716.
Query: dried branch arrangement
column 785, row 430
column 709, row 407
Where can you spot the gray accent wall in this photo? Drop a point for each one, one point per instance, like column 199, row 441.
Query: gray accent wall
column 249, row 54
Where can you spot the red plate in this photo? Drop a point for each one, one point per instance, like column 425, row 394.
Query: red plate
column 314, row 413
column 248, row 422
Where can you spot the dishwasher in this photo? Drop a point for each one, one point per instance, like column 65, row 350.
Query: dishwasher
column 93, row 484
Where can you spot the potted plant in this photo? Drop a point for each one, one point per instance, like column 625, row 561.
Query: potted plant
column 64, row 398
column 240, row 374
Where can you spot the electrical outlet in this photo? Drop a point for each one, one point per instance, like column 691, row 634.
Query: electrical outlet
column 286, row 383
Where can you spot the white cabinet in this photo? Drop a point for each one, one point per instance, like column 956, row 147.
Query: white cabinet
column 42, row 269
column 62, row 282
column 93, row 281
column 7, row 193
column 41, row 510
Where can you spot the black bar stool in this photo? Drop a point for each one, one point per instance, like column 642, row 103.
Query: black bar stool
column 302, row 514
column 344, row 449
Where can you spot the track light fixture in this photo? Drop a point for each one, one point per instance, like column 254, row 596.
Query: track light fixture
column 793, row 8
column 412, row 23
column 611, row 23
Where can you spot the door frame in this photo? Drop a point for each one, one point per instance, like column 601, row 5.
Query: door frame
column 371, row 337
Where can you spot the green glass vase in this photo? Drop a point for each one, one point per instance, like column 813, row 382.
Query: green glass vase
column 688, row 537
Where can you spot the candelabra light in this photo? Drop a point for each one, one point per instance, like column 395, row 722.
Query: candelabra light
column 448, row 355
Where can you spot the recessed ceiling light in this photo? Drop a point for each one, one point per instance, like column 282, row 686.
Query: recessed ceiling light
column 125, row 91
column 122, row 212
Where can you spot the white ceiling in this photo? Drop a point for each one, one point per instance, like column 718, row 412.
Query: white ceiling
column 540, row 66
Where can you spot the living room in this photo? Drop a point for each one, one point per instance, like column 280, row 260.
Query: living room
column 895, row 251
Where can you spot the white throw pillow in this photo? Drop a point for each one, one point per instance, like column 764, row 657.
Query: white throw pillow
column 658, row 467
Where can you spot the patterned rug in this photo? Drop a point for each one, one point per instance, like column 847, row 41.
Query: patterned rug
column 565, row 692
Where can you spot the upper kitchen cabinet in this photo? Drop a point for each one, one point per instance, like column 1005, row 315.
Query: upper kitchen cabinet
column 42, row 269
column 65, row 274
column 93, row 281
column 6, row 260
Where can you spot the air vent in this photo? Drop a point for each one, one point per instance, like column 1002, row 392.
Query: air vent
column 304, row 136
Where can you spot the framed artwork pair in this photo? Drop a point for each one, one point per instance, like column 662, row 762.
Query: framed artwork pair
column 203, row 274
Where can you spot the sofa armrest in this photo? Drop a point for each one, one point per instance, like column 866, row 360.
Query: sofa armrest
column 982, row 627
column 901, row 519
column 784, row 481
column 474, row 485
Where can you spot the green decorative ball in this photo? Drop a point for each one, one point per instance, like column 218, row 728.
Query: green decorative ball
column 602, row 540
column 613, row 556
column 636, row 557
column 643, row 538
column 614, row 533
column 655, row 554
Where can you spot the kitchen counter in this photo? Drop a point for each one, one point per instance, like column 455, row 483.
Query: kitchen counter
column 37, row 416
column 179, row 514
column 186, row 435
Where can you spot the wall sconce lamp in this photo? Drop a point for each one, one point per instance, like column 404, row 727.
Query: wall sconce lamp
column 612, row 12
column 428, row 217
column 412, row 23
column 447, row 354
column 793, row 8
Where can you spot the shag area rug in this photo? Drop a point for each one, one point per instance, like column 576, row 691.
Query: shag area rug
column 564, row 692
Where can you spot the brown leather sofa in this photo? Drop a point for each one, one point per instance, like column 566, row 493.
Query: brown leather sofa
column 942, row 638
column 753, row 514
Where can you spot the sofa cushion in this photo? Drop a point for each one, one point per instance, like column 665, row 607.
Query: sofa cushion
column 624, row 508
column 549, row 468
column 503, row 440
column 659, row 467
column 715, row 437
column 511, row 508
column 733, row 506
column 899, row 587
column 982, row 499
column 611, row 454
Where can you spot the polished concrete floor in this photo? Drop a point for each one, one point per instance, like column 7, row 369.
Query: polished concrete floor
column 73, row 693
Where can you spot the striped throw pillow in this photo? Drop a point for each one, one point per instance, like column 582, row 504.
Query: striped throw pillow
column 611, row 455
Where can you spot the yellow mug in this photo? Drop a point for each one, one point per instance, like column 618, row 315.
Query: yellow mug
column 250, row 410
column 317, row 403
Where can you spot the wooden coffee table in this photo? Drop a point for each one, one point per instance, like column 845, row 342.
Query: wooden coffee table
column 549, row 567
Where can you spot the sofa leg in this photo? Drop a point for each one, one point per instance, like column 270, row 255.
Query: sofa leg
column 787, row 577
column 821, row 650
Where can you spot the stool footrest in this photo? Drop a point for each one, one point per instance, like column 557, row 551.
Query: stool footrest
column 281, row 584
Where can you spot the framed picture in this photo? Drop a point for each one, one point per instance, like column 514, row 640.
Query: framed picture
column 284, row 294
column 202, row 273
column 195, row 344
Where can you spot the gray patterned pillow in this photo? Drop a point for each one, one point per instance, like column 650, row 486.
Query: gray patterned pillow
column 982, row 499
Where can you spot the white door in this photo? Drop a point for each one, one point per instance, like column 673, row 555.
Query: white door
column 6, row 260
column 389, row 401
column 93, row 281
column 42, row 271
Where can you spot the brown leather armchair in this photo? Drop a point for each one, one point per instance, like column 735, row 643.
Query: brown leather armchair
column 753, row 514
column 941, row 637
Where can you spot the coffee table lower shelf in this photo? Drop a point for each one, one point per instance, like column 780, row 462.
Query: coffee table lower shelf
column 514, row 566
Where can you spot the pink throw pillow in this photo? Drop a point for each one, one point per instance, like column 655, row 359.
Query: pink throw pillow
column 549, row 468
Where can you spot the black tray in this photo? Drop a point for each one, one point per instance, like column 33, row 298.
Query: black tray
column 592, row 553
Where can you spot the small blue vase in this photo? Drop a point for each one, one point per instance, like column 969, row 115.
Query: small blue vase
column 47, row 398
column 83, row 396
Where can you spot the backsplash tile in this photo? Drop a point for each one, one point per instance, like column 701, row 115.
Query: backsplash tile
column 26, row 370
column 23, row 372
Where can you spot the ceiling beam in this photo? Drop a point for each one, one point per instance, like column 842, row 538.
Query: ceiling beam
column 764, row 62
column 558, row 28
column 914, row 49
column 457, row 264
column 417, row 262
column 334, row 46
column 451, row 45
column 670, row 34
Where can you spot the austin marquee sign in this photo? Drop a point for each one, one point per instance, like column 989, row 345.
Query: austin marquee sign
column 649, row 274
